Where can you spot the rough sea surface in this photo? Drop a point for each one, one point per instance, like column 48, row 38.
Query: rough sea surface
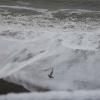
column 61, row 38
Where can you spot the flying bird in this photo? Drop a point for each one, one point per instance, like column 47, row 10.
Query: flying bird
column 51, row 74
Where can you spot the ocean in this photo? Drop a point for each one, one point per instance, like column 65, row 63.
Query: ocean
column 56, row 4
column 50, row 47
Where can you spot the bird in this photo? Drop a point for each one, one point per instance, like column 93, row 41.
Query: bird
column 51, row 74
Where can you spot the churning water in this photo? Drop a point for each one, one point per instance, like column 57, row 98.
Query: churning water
column 40, row 37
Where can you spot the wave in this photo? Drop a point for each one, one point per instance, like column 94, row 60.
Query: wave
column 77, row 95
column 33, row 45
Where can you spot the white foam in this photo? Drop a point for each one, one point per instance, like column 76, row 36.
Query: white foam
column 63, row 95
column 69, row 46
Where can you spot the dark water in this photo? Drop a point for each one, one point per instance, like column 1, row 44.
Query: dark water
column 7, row 87
column 56, row 4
